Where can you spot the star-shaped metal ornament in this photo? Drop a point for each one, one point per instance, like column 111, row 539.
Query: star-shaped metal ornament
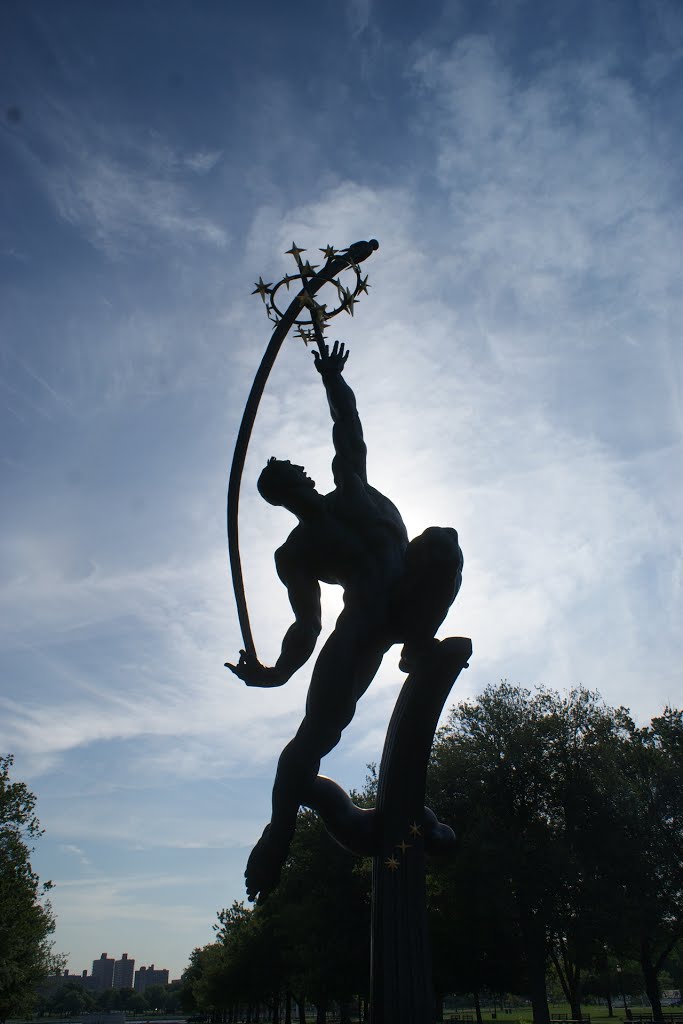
column 392, row 863
column 403, row 846
column 415, row 829
column 306, row 335
column 348, row 300
column 262, row 289
column 352, row 262
column 312, row 278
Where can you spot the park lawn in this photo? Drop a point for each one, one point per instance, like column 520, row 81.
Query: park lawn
column 597, row 1013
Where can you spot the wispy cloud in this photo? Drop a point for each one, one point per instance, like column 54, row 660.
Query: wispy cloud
column 122, row 190
column 77, row 852
column 518, row 372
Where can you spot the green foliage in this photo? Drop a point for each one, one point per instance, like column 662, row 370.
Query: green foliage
column 26, row 919
column 567, row 874
column 322, row 911
column 70, row 999
column 647, row 868
column 310, row 938
column 526, row 780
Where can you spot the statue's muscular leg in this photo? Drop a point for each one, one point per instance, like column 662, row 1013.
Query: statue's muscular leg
column 343, row 672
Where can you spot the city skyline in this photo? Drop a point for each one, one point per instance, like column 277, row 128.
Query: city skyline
column 108, row 972
column 517, row 366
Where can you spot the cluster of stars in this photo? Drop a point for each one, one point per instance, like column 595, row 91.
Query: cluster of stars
column 309, row 330
column 392, row 862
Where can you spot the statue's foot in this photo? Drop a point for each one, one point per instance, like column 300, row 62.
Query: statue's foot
column 413, row 653
column 264, row 866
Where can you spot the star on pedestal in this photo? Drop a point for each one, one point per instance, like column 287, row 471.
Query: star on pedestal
column 415, row 829
column 262, row 289
column 392, row 863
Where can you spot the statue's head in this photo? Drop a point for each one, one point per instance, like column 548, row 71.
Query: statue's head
column 282, row 483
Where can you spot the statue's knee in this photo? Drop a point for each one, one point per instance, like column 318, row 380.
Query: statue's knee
column 434, row 560
column 436, row 546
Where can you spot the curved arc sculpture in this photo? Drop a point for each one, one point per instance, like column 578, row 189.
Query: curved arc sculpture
column 311, row 285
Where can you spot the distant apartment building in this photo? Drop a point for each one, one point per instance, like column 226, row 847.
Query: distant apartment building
column 103, row 972
column 146, row 976
column 124, row 970
column 56, row 981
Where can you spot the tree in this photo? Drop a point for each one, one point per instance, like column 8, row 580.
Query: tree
column 156, row 997
column 586, row 744
column 474, row 941
column 251, row 955
column 647, row 821
column 321, row 914
column 524, row 780
column 26, row 919
column 71, row 1000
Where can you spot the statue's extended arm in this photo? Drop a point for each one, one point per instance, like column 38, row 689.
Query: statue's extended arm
column 300, row 639
column 347, row 433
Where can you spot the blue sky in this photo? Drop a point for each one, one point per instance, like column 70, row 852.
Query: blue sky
column 517, row 366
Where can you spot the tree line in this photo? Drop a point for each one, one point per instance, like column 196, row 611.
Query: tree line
column 568, row 863
column 69, row 999
column 26, row 918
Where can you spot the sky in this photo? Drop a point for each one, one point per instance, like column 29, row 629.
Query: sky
column 517, row 367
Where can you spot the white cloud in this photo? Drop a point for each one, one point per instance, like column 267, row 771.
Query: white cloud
column 121, row 207
column 77, row 852
column 518, row 376
column 125, row 192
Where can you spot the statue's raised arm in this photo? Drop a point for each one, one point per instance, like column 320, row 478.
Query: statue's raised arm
column 347, row 433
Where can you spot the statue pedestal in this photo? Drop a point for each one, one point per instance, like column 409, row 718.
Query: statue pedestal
column 401, row 973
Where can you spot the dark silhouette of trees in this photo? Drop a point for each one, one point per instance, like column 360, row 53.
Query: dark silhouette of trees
column 309, row 942
column 527, row 780
column 647, row 872
column 569, row 856
column 26, row 920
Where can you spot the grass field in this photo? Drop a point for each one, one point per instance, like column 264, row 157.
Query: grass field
column 509, row 1015
column 523, row 1015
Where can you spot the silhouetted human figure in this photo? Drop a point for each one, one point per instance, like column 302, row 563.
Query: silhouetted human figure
column 394, row 592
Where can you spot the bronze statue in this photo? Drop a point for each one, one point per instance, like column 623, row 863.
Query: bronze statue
column 395, row 591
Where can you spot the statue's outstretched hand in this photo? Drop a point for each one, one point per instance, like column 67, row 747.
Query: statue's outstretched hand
column 250, row 670
column 330, row 362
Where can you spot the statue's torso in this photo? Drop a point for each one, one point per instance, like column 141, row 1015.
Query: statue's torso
column 358, row 541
